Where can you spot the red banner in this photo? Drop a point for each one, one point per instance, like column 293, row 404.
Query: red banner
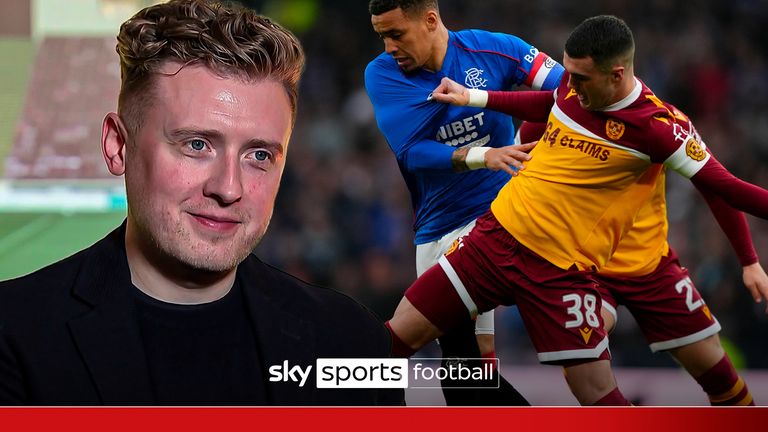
column 570, row 419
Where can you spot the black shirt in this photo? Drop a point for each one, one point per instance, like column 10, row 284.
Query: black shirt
column 202, row 354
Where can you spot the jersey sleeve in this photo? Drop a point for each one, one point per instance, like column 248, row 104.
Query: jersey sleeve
column 739, row 194
column 403, row 115
column 531, row 106
column 734, row 225
column 534, row 69
column 673, row 141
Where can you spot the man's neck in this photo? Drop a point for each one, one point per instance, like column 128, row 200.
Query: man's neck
column 625, row 95
column 439, row 50
column 176, row 291
column 171, row 281
column 627, row 83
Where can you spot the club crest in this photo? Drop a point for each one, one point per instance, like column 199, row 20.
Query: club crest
column 694, row 150
column 474, row 78
column 614, row 129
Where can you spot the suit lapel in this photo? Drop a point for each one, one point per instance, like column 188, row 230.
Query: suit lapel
column 108, row 336
column 282, row 335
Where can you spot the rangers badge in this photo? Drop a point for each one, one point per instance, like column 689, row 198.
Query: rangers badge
column 694, row 150
column 474, row 78
column 614, row 129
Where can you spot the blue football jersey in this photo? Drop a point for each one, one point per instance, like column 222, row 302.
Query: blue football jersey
column 423, row 134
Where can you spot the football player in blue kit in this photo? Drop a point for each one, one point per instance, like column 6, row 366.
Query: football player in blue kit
column 454, row 159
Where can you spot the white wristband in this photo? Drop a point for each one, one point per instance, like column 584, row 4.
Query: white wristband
column 478, row 98
column 476, row 157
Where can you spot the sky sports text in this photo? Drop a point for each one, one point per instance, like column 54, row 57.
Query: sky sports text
column 357, row 373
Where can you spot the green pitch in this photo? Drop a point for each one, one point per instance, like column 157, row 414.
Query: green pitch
column 29, row 241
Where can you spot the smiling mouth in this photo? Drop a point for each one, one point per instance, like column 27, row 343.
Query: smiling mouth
column 214, row 222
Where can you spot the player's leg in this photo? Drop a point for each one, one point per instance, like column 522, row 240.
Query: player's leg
column 567, row 328
column 710, row 366
column 560, row 308
column 506, row 394
column 456, row 343
column 593, row 383
column 673, row 317
column 468, row 340
column 608, row 306
column 590, row 382
column 485, row 329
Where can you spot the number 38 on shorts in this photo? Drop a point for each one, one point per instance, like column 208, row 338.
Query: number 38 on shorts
column 581, row 309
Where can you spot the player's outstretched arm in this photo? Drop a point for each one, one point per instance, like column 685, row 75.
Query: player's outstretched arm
column 756, row 282
column 532, row 106
column 734, row 225
column 738, row 193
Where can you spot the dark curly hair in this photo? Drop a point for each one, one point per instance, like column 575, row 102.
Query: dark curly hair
column 229, row 40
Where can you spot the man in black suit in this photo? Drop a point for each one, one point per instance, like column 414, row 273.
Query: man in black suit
column 171, row 308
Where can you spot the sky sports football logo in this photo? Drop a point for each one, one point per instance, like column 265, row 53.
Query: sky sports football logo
column 360, row 373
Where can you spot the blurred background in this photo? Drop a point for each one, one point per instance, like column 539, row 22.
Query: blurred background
column 343, row 215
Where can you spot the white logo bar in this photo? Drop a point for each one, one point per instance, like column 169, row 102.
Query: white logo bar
column 362, row 373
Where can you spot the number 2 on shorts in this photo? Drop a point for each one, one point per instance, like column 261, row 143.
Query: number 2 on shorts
column 688, row 286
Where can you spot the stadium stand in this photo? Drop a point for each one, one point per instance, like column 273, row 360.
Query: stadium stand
column 75, row 81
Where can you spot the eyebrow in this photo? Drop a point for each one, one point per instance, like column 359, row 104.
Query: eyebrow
column 388, row 33
column 215, row 135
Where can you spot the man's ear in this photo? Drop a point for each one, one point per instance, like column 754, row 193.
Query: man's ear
column 432, row 20
column 114, row 138
column 617, row 74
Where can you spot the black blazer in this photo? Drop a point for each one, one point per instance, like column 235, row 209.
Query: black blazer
column 69, row 336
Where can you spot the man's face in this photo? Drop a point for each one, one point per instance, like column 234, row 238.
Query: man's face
column 595, row 88
column 203, row 170
column 407, row 39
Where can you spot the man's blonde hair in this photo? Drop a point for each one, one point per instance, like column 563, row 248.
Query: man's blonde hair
column 230, row 40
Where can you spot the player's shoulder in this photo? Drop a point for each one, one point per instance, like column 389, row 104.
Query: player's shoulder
column 659, row 115
column 382, row 72
column 484, row 40
column 382, row 64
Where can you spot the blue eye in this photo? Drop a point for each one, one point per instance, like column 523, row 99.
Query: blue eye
column 261, row 155
column 197, row 145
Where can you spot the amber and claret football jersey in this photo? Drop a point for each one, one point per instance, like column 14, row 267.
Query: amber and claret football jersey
column 645, row 244
column 593, row 175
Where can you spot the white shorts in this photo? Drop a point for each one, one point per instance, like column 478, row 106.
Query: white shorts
column 427, row 255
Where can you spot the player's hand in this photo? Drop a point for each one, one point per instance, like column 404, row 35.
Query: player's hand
column 757, row 282
column 505, row 158
column 450, row 92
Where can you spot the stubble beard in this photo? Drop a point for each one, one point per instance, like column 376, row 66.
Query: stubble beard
column 210, row 253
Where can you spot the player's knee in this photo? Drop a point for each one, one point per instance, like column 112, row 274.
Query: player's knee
column 590, row 381
column 411, row 326
column 700, row 356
